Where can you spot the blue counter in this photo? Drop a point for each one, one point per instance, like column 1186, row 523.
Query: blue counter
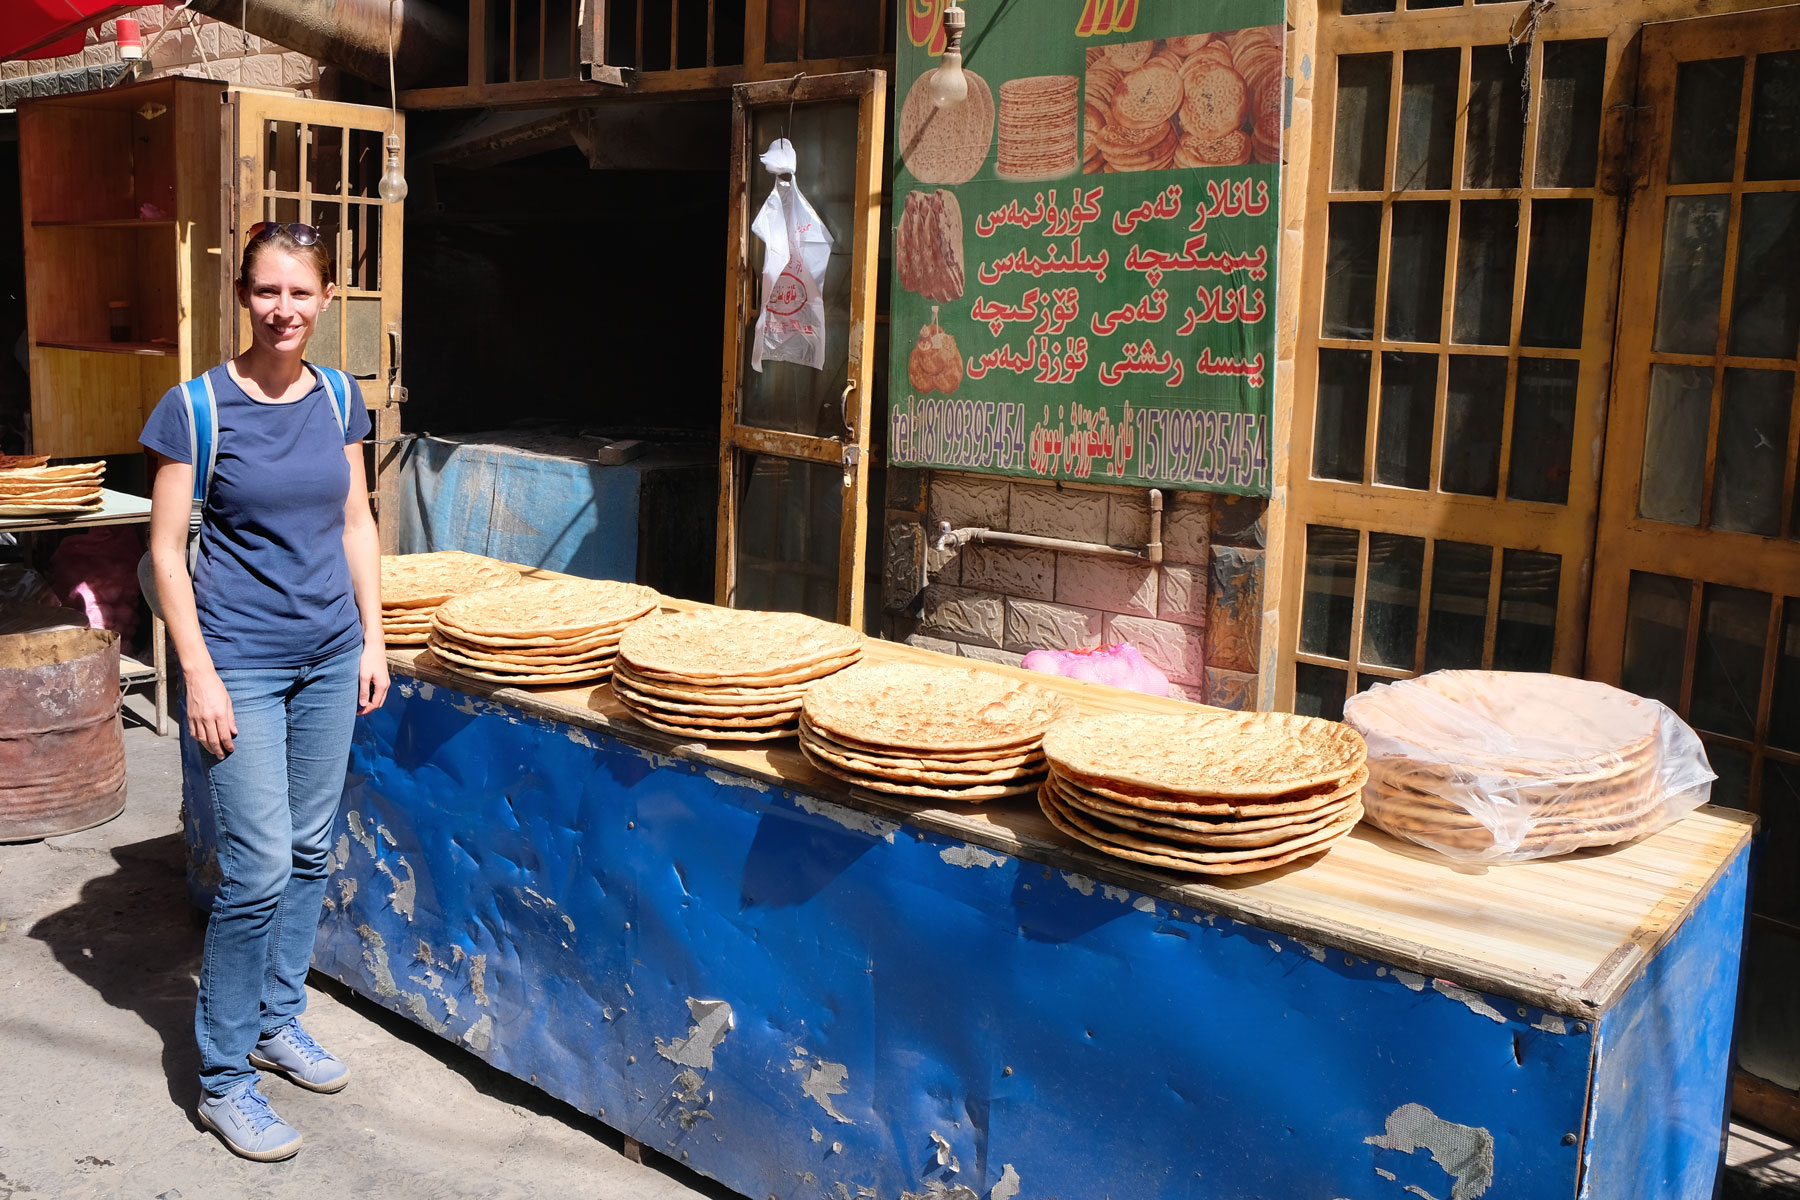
column 814, row 993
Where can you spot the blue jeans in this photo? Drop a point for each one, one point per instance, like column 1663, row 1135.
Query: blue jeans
column 274, row 797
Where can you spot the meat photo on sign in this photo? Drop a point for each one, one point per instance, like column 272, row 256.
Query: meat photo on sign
column 1201, row 100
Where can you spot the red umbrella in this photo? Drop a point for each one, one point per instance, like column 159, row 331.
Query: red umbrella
column 50, row 28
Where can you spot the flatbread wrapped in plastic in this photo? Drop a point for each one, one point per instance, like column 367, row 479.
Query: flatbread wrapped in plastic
column 797, row 249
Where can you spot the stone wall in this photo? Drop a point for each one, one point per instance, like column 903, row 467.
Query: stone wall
column 182, row 43
column 1197, row 616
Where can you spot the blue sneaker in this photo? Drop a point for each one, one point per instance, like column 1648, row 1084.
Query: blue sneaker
column 291, row 1051
column 248, row 1126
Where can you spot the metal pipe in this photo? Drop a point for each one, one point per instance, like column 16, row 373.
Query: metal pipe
column 949, row 539
column 353, row 34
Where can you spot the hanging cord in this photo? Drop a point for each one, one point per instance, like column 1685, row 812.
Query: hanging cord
column 1524, row 33
column 244, row 26
column 788, row 121
column 194, row 24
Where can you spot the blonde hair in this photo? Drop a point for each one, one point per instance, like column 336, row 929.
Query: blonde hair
column 276, row 237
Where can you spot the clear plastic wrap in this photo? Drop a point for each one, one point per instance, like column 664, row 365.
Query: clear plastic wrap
column 1501, row 766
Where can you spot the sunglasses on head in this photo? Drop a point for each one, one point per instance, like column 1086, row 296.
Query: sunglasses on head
column 303, row 235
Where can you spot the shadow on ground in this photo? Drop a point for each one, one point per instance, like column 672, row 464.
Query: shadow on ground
column 136, row 940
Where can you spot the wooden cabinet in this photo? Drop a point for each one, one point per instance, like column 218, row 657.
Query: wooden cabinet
column 121, row 197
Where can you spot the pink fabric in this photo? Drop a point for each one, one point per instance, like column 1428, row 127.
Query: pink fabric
column 96, row 572
column 1119, row 665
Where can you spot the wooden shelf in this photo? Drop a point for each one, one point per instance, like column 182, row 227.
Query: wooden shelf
column 150, row 349
column 120, row 223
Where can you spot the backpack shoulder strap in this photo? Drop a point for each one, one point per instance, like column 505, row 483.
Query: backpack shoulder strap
column 203, row 432
column 338, row 386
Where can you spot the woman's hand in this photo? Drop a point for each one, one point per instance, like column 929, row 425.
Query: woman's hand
column 209, row 713
column 372, row 683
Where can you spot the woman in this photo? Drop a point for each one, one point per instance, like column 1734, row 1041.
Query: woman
column 278, row 632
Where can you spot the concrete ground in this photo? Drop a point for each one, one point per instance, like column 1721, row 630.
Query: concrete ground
column 98, row 954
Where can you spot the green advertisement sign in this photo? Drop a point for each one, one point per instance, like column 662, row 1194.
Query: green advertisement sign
column 1084, row 247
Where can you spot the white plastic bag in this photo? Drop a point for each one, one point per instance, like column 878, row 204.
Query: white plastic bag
column 1502, row 766
column 797, row 248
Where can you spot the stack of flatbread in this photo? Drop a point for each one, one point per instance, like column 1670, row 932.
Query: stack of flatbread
column 31, row 487
column 540, row 634
column 1214, row 793
column 947, row 733
column 1505, row 764
column 727, row 674
column 414, row 585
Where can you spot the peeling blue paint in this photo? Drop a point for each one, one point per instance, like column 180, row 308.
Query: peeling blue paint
column 585, row 903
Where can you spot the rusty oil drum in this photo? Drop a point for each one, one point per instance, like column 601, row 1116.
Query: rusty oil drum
column 62, row 745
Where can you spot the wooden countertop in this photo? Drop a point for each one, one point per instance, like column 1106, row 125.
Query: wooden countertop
column 1567, row 934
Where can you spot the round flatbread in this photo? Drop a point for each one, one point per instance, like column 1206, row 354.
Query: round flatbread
column 1129, row 56
column 1225, row 835
column 906, row 774
column 736, row 646
column 1214, row 101
column 511, row 680
column 979, row 760
column 1149, row 95
column 760, row 721
column 1215, row 755
column 560, row 608
column 548, row 666
column 412, row 580
column 915, row 707
column 656, row 704
column 1056, row 815
column 946, row 145
column 1116, row 810
column 726, row 696
column 973, row 793
column 699, row 734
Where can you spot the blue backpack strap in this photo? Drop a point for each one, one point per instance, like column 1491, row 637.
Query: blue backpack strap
column 338, row 386
column 203, row 432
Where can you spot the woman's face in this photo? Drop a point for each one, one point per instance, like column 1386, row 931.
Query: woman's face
column 285, row 297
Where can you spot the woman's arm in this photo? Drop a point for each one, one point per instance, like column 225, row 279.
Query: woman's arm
column 209, row 713
column 362, row 550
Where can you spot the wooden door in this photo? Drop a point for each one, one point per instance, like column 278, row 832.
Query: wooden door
column 1698, row 558
column 320, row 163
column 794, row 441
column 1455, row 331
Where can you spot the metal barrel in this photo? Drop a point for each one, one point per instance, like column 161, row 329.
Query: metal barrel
column 62, row 746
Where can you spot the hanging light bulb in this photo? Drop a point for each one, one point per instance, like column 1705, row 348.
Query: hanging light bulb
column 948, row 86
column 393, row 180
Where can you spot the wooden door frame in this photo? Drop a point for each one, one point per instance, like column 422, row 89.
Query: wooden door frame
column 869, row 90
column 241, row 115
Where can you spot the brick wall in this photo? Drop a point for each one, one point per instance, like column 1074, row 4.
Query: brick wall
column 192, row 45
column 1197, row 616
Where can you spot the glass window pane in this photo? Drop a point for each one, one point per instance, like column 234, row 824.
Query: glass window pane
column 1556, row 273
column 1732, row 788
column 365, row 163
column 1362, row 8
column 1728, row 666
column 1675, row 444
column 1359, row 152
column 285, row 209
column 281, row 156
column 362, row 259
column 1774, row 151
column 1391, row 600
column 1656, row 622
column 362, row 319
column 791, row 396
column 1495, row 143
column 1765, row 306
column 1416, row 252
column 1525, row 634
column 1408, row 409
column 1569, row 106
column 788, row 524
column 1341, row 421
column 1319, row 691
column 1753, row 435
column 1778, row 884
column 1474, row 409
column 1708, row 94
column 327, row 345
column 1353, row 247
column 1487, row 247
column 1543, row 430
column 325, row 160
column 1428, row 82
column 1457, row 629
column 1329, row 598
column 1784, row 713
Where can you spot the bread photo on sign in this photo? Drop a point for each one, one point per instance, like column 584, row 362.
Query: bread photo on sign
column 946, row 145
column 935, row 364
column 928, row 249
column 1200, row 100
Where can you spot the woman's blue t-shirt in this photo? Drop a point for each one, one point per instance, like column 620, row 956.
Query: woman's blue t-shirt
column 271, row 584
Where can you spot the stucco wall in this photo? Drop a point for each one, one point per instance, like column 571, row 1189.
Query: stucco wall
column 191, row 45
